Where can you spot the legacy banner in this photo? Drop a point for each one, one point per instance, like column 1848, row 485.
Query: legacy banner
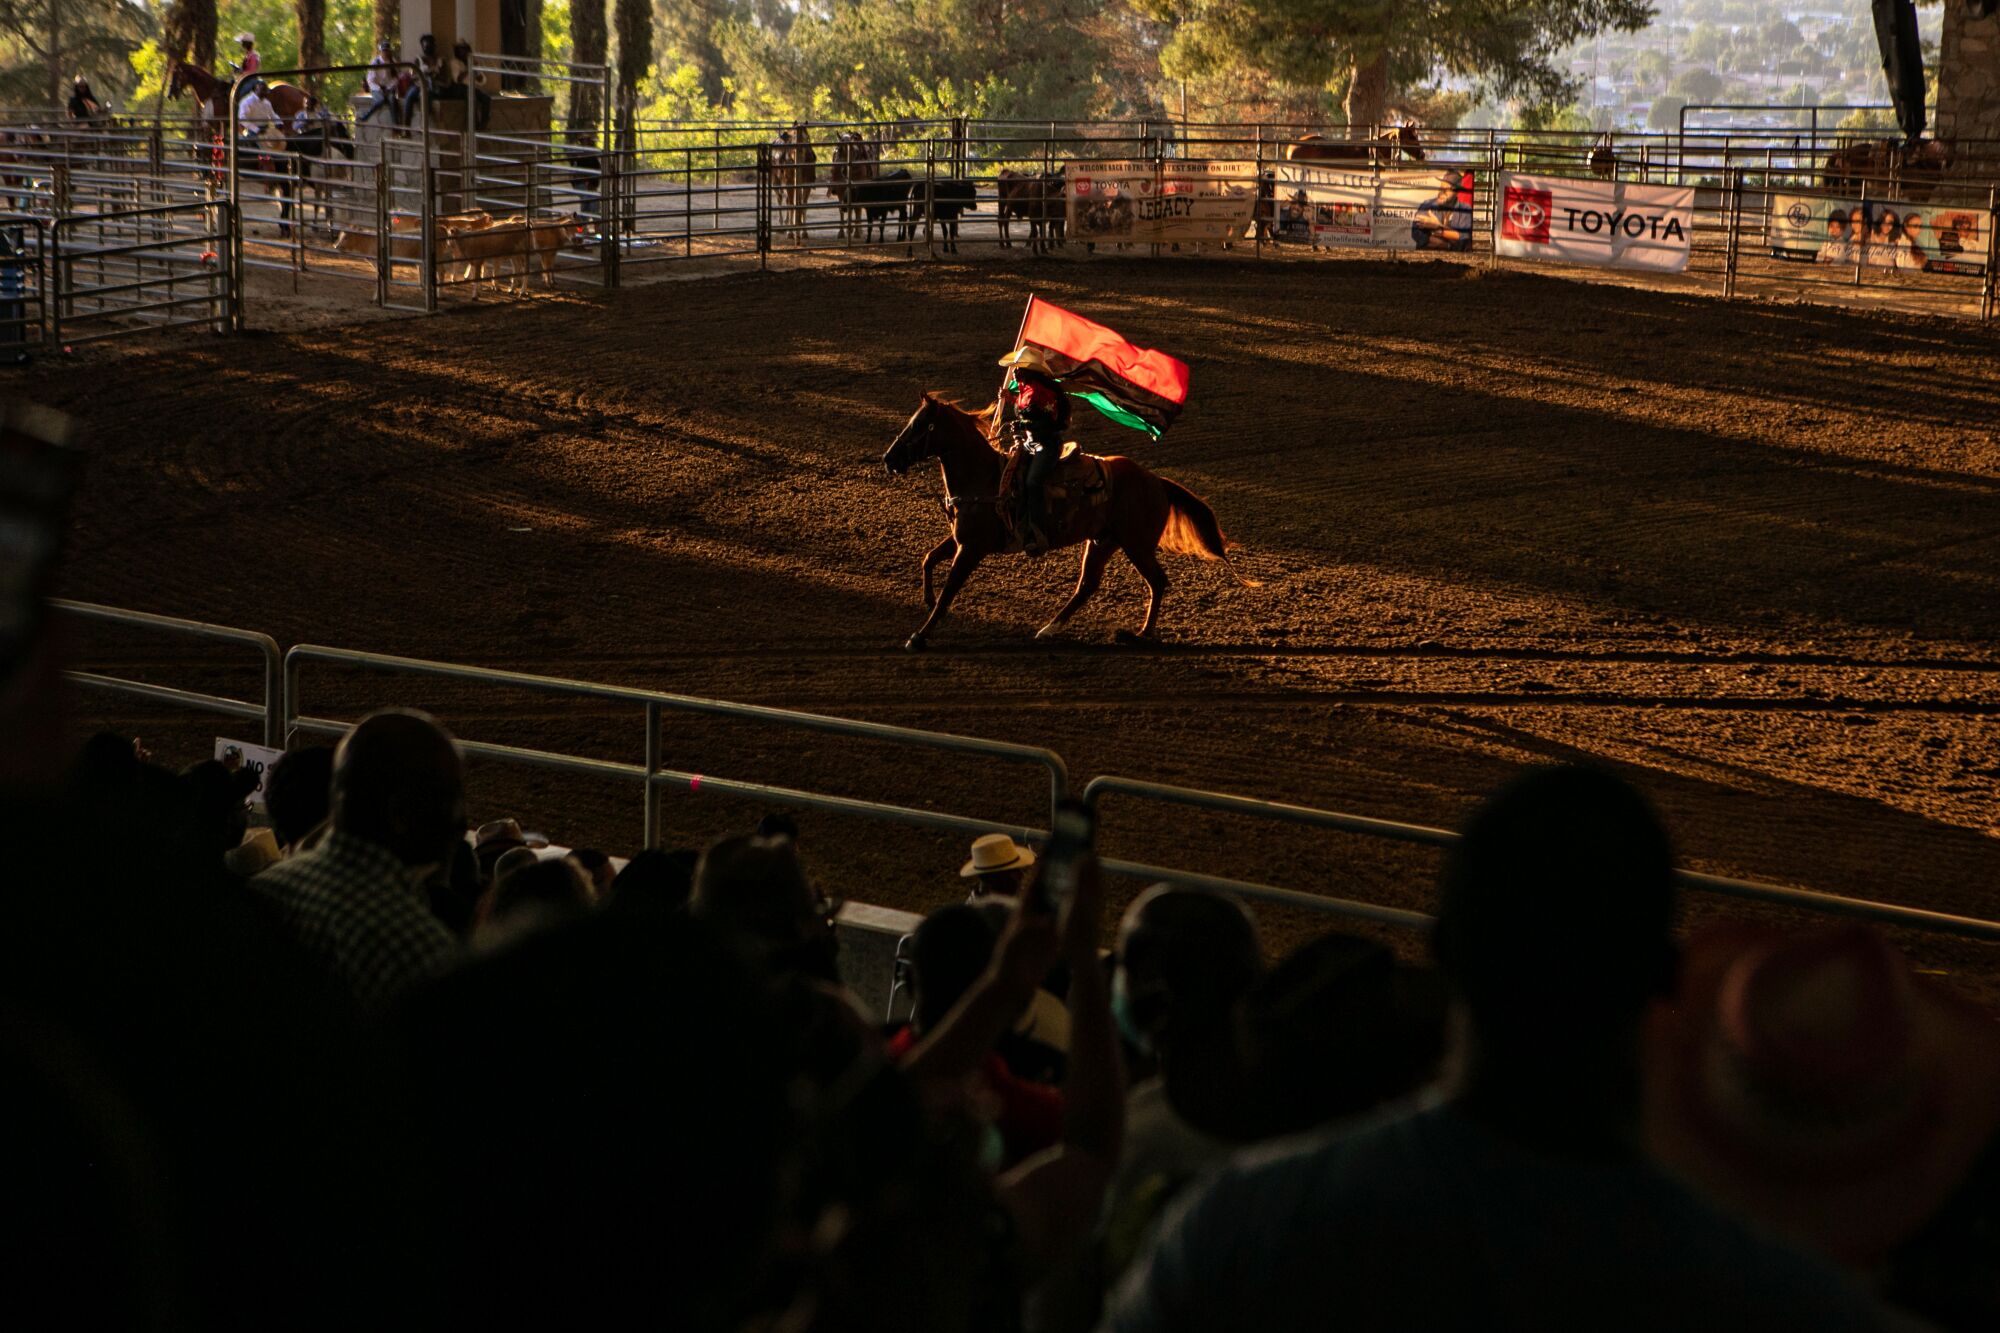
column 1596, row 222
column 1919, row 238
column 1170, row 201
column 1402, row 208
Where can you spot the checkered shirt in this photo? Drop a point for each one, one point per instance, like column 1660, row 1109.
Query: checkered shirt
column 357, row 908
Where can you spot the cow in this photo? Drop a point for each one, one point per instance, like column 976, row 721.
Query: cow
column 950, row 198
column 877, row 198
column 1038, row 200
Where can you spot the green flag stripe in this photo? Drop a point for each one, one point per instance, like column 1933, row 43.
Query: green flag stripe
column 1119, row 413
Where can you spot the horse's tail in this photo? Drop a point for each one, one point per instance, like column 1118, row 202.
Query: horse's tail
column 1192, row 530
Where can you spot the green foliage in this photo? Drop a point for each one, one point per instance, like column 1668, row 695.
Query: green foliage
column 349, row 37
column 920, row 53
column 1697, row 85
column 1512, row 50
column 45, row 43
column 1665, row 113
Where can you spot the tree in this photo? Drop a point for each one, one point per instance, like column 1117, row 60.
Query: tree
column 311, row 15
column 1368, row 49
column 1706, row 43
column 1652, row 69
column 389, row 21
column 1039, row 59
column 1665, row 113
column 635, row 48
column 47, row 42
column 1696, row 85
column 188, row 31
column 586, row 26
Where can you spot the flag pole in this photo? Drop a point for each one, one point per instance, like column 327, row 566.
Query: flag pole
column 1000, row 399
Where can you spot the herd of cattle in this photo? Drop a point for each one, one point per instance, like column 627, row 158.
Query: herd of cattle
column 870, row 199
column 482, row 243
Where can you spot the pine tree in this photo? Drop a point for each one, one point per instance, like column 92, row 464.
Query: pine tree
column 188, row 31
column 52, row 41
column 312, row 35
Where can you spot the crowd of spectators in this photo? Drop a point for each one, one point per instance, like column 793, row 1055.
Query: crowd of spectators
column 373, row 1064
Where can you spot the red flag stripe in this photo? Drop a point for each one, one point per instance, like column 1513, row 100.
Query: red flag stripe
column 1081, row 339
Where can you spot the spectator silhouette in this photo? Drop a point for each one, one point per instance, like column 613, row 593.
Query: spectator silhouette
column 298, row 794
column 529, row 897
column 1186, row 959
column 753, row 889
column 1335, row 1030
column 356, row 901
column 655, row 881
column 951, row 951
column 1518, row 1198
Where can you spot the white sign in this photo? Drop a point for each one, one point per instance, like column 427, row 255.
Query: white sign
column 256, row 758
column 1608, row 223
column 1400, row 208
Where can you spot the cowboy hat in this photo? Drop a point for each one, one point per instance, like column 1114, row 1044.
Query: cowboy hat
column 994, row 853
column 1815, row 1084
column 248, row 39
column 1029, row 357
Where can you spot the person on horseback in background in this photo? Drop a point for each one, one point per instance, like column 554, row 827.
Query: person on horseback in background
column 1040, row 416
column 251, row 63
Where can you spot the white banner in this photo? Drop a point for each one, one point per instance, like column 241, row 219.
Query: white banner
column 255, row 758
column 1609, row 223
column 1400, row 208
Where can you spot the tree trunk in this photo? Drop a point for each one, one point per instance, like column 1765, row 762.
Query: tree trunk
column 1367, row 94
column 389, row 23
column 635, row 46
column 55, row 54
column 202, row 24
column 531, row 40
column 586, row 35
column 312, row 35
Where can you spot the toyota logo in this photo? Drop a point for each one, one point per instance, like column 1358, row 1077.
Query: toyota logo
column 1527, row 215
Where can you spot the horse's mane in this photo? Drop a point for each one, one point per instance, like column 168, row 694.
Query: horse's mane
column 985, row 415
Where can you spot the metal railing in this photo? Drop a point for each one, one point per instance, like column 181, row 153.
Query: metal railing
column 1423, row 835
column 267, row 713
column 652, row 776
column 281, row 717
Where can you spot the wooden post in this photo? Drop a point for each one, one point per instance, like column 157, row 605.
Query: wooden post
column 1735, row 229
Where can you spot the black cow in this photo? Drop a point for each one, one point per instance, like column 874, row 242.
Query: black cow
column 949, row 198
column 888, row 192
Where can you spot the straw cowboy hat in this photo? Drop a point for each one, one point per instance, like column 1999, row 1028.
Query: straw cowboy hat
column 247, row 39
column 994, row 853
column 1814, row 1083
column 1029, row 357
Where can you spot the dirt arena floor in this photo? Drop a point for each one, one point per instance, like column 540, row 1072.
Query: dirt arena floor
column 1747, row 554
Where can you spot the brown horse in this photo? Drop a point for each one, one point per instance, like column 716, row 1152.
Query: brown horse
column 1380, row 150
column 211, row 94
column 794, row 168
column 1909, row 171
column 1143, row 514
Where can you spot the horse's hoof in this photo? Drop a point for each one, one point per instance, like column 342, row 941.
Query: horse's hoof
column 1131, row 640
column 916, row 644
column 1047, row 631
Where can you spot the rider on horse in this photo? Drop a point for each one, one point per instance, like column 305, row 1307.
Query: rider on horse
column 252, row 62
column 1041, row 415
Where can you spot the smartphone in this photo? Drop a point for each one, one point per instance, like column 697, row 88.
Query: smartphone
column 1072, row 837
column 38, row 473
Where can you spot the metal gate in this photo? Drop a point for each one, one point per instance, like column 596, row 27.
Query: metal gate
column 117, row 274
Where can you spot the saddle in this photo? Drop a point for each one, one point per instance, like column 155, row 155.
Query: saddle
column 1077, row 485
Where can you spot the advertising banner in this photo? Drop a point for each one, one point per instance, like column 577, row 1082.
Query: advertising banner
column 1882, row 233
column 1401, row 208
column 1151, row 203
column 1608, row 223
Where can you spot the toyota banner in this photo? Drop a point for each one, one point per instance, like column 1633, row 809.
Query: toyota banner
column 1608, row 223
